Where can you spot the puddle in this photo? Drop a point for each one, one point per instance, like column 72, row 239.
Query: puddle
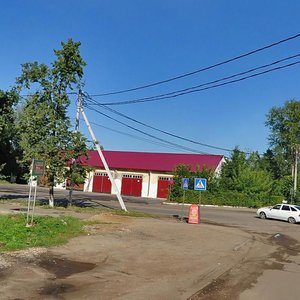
column 56, row 289
column 63, row 268
column 285, row 241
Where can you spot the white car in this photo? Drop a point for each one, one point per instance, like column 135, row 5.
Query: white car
column 285, row 212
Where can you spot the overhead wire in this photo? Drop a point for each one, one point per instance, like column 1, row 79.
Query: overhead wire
column 201, row 69
column 221, row 79
column 163, row 131
column 136, row 137
column 145, row 133
column 156, row 98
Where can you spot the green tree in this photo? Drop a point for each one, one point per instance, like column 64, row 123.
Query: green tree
column 180, row 172
column 274, row 162
column 9, row 148
column 284, row 124
column 44, row 125
column 253, row 182
column 232, row 169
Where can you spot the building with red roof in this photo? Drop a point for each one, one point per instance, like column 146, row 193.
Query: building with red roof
column 142, row 174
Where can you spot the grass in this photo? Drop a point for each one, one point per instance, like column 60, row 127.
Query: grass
column 4, row 181
column 47, row 231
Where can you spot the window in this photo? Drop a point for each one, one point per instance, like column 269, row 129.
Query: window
column 285, row 207
column 100, row 174
column 165, row 178
column 293, row 209
column 277, row 206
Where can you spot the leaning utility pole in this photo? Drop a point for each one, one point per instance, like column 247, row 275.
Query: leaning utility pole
column 296, row 170
column 73, row 162
column 96, row 143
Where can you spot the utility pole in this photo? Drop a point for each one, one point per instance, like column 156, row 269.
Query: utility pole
column 78, row 106
column 73, row 162
column 296, row 170
column 96, row 143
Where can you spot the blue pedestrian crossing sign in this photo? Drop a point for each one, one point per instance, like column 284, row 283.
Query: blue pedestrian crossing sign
column 185, row 183
column 200, row 184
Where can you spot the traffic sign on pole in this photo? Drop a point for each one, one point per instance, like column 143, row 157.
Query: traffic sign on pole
column 200, row 184
column 185, row 183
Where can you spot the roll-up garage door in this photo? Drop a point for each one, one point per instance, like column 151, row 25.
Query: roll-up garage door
column 163, row 186
column 101, row 183
column 132, row 185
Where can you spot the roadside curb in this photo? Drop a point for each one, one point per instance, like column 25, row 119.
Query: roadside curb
column 207, row 205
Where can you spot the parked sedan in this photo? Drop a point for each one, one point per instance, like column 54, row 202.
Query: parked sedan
column 285, row 212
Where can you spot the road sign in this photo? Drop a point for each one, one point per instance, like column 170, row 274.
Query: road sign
column 185, row 183
column 38, row 167
column 200, row 184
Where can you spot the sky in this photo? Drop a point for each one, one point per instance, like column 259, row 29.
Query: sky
column 129, row 44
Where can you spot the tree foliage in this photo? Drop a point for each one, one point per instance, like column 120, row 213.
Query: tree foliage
column 44, row 125
column 245, row 180
column 284, row 124
column 9, row 150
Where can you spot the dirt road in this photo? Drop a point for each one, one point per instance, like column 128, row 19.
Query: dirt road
column 134, row 258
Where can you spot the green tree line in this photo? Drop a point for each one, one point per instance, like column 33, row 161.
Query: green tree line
column 253, row 180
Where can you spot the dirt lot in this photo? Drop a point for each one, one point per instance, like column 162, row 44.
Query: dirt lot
column 140, row 258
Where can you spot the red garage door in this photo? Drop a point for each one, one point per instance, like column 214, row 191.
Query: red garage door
column 163, row 186
column 132, row 185
column 101, row 183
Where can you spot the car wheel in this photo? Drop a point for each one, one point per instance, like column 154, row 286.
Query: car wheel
column 262, row 215
column 291, row 220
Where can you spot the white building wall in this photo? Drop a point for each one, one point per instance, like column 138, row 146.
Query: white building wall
column 145, row 184
column 88, row 184
column 219, row 167
column 118, row 181
column 153, row 185
column 149, row 184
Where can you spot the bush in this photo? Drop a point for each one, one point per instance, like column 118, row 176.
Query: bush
column 230, row 198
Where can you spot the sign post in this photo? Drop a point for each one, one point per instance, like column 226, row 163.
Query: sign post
column 199, row 185
column 37, row 169
column 185, row 186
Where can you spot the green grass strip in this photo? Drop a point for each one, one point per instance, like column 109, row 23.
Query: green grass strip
column 46, row 231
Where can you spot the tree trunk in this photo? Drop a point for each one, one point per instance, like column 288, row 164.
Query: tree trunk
column 51, row 192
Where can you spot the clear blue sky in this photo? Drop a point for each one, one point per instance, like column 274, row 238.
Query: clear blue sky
column 132, row 43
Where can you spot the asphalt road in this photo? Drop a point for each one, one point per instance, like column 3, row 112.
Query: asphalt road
column 243, row 218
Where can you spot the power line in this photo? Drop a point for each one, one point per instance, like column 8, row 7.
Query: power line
column 162, row 131
column 135, row 137
column 144, row 133
column 167, row 133
column 218, row 80
column 202, row 69
column 156, row 98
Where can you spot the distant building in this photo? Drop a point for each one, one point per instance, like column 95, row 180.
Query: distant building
column 142, row 174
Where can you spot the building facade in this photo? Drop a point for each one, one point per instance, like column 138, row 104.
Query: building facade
column 141, row 174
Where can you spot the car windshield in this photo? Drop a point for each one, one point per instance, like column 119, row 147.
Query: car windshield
column 297, row 206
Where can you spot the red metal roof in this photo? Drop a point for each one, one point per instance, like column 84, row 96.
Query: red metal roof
column 146, row 161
